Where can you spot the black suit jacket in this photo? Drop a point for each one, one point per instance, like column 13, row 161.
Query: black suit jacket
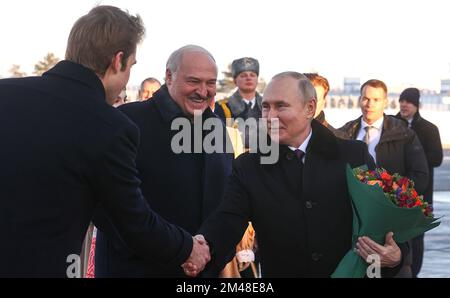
column 303, row 220
column 63, row 152
column 183, row 188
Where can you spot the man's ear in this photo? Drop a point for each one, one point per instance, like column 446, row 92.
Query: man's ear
column 116, row 63
column 311, row 106
column 169, row 77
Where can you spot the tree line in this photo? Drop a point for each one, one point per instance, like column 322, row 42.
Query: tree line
column 40, row 67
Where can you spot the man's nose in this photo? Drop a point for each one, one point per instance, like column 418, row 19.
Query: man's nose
column 202, row 90
column 272, row 114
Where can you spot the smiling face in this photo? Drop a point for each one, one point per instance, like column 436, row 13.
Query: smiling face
column 193, row 85
column 282, row 101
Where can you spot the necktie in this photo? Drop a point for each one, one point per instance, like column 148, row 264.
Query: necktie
column 299, row 153
column 367, row 135
column 249, row 105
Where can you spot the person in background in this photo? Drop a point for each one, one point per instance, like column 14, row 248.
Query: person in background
column 148, row 87
column 391, row 143
column 322, row 87
column 429, row 137
column 121, row 99
column 245, row 103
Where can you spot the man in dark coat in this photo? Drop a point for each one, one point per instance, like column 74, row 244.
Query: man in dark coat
column 75, row 153
column 391, row 143
column 430, row 139
column 182, row 187
column 300, row 205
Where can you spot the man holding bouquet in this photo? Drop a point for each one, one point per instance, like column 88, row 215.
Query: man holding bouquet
column 299, row 205
column 391, row 143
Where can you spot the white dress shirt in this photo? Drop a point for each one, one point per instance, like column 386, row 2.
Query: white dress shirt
column 303, row 146
column 252, row 101
column 374, row 135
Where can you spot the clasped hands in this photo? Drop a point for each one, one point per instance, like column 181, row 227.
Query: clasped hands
column 199, row 257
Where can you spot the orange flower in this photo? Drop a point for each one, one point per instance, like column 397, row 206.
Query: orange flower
column 395, row 186
column 373, row 182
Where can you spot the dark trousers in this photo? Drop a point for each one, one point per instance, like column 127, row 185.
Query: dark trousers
column 417, row 255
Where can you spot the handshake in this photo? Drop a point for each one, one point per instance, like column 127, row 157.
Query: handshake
column 199, row 257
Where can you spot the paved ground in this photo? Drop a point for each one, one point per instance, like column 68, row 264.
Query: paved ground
column 442, row 174
column 436, row 261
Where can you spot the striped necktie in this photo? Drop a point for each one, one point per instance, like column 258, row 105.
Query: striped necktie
column 367, row 135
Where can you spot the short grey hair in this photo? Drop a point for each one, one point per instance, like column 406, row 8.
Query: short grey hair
column 175, row 58
column 306, row 89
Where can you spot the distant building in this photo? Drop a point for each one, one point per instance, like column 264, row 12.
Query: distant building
column 348, row 98
column 351, row 86
column 445, row 87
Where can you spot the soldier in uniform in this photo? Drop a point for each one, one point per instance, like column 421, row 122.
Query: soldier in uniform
column 245, row 103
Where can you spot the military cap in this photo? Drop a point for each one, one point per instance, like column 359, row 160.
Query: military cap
column 244, row 64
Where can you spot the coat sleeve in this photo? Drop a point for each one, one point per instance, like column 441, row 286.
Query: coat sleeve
column 416, row 163
column 433, row 148
column 225, row 227
column 117, row 188
column 392, row 272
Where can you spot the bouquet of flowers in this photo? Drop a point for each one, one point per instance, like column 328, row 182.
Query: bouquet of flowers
column 382, row 203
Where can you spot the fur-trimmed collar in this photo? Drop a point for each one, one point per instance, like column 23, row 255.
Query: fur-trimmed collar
column 237, row 105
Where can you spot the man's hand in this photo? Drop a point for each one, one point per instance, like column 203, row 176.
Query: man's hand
column 199, row 257
column 390, row 254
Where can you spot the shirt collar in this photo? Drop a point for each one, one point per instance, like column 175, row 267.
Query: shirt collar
column 304, row 145
column 410, row 122
column 377, row 124
column 252, row 101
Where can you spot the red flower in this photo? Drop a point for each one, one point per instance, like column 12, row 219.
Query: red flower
column 386, row 177
column 400, row 190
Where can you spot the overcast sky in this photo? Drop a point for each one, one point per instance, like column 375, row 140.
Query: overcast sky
column 404, row 43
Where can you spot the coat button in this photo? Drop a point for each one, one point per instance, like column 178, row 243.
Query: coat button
column 315, row 256
column 308, row 204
